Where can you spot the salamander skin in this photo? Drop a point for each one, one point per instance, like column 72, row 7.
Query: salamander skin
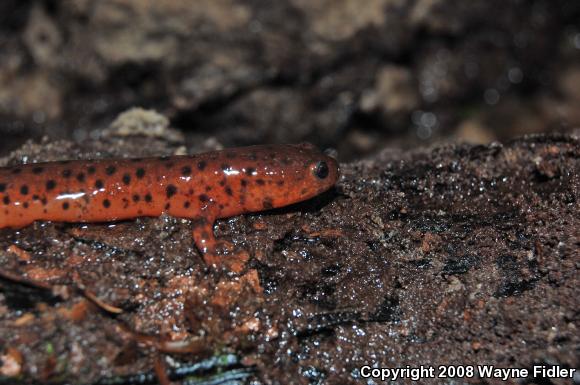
column 201, row 187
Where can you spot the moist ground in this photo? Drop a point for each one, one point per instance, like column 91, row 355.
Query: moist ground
column 456, row 254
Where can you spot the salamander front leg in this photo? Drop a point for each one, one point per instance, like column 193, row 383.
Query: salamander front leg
column 216, row 253
column 205, row 240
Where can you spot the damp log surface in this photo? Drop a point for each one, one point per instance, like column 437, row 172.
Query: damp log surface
column 454, row 254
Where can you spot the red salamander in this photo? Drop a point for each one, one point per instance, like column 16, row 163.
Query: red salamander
column 201, row 187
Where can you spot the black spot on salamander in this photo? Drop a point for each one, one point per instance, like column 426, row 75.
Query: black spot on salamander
column 24, row 189
column 44, row 201
column 229, row 191
column 280, row 183
column 226, row 166
column 167, row 206
column 222, row 182
column 171, row 190
column 136, row 197
column 204, row 198
column 81, row 177
column 2, row 187
column 106, row 203
column 125, row 203
column 16, row 171
column 66, row 173
column 65, row 205
column 186, row 171
column 208, row 188
column 140, row 173
column 35, row 197
column 186, row 204
column 37, row 170
column 250, row 171
column 126, row 179
column 201, row 165
column 190, row 191
column 91, row 170
column 244, row 182
column 148, row 198
column 110, row 170
column 50, row 184
column 25, row 205
column 99, row 184
column 267, row 203
column 6, row 199
column 205, row 235
column 303, row 191
column 260, row 182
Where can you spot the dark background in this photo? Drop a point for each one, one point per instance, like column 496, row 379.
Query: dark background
column 351, row 75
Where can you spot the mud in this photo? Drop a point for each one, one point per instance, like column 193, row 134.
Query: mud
column 456, row 254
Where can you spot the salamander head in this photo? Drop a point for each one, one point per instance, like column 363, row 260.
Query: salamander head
column 312, row 171
column 279, row 175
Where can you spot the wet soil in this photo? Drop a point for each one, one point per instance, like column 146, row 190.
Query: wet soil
column 455, row 254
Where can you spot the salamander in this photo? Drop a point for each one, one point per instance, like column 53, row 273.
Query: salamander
column 201, row 187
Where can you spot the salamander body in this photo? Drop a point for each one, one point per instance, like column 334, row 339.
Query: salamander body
column 201, row 187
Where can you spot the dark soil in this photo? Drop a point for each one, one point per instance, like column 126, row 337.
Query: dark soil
column 394, row 72
column 459, row 254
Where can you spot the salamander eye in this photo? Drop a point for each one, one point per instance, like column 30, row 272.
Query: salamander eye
column 321, row 170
